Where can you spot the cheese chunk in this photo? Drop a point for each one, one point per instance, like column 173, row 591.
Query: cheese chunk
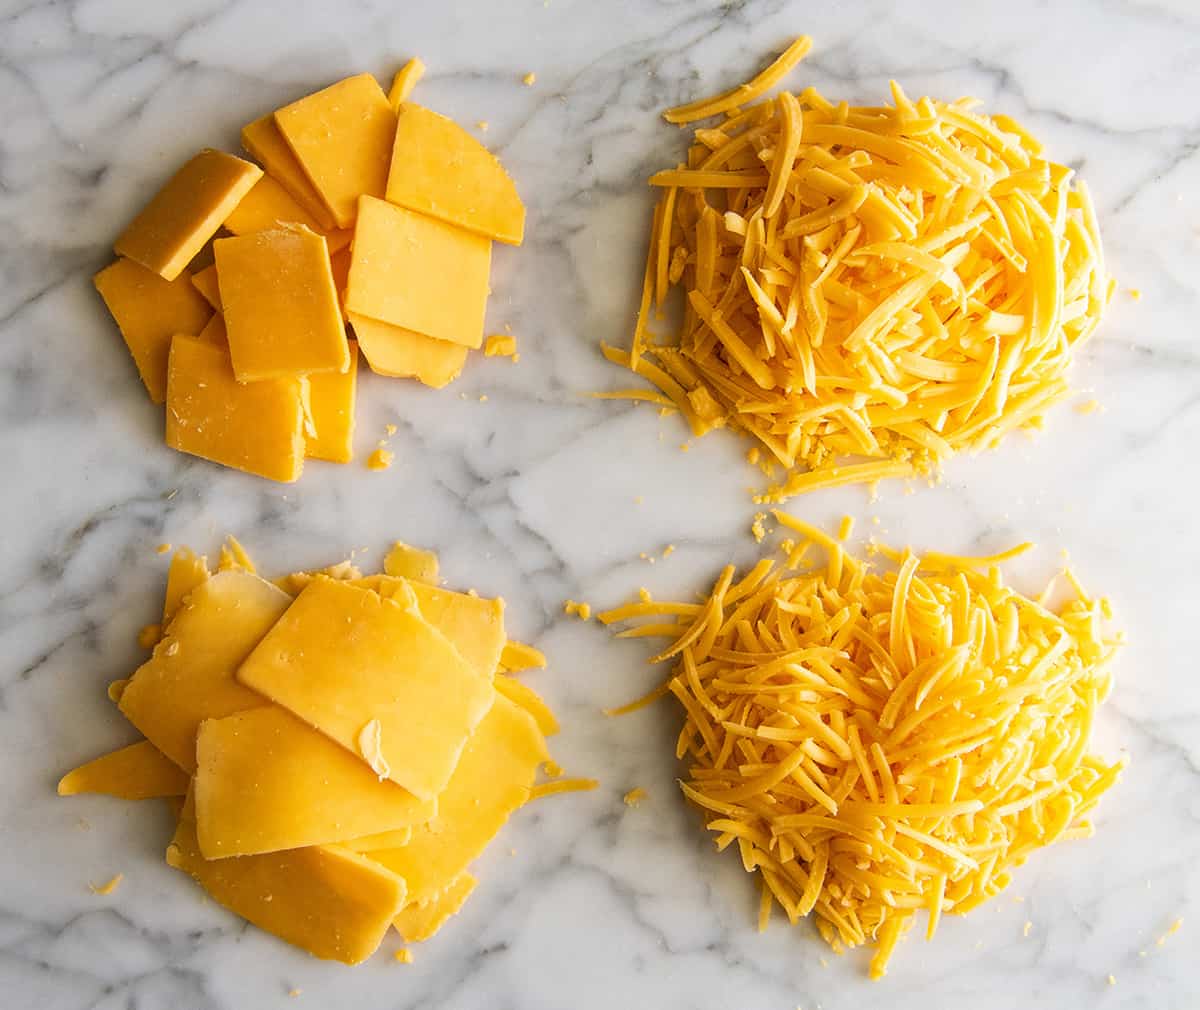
column 205, row 281
column 149, row 312
column 257, row 427
column 379, row 840
column 439, row 169
column 418, row 921
column 331, row 398
column 186, row 572
column 263, row 141
column 400, row 353
column 266, row 781
column 187, row 212
column 493, row 778
column 190, row 676
column 331, row 902
column 419, row 273
column 137, row 772
column 342, row 137
column 403, row 561
column 281, row 308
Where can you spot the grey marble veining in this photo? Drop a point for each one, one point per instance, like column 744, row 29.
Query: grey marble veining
column 531, row 494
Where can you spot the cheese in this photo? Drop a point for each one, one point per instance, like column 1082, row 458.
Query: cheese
column 500, row 345
column 445, row 272
column 342, row 137
column 190, row 676
column 137, row 772
column 332, row 902
column 418, row 922
column 107, row 888
column 400, row 353
column 269, row 206
column 257, row 427
column 877, row 742
column 332, row 396
column 149, row 311
column 187, row 212
column 205, row 281
column 339, row 266
column 581, row 610
column 379, row 840
column 214, row 333
column 280, row 305
column 342, row 656
column 493, row 778
column 380, row 459
column 263, row 141
column 149, row 635
column 403, row 561
column 439, row 169
column 403, row 83
column 523, row 695
column 266, row 781
column 186, row 572
column 519, row 656
column 634, row 797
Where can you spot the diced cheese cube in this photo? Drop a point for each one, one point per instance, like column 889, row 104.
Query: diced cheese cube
column 418, row 921
column 403, row 561
column 186, row 572
column 205, row 281
column 266, row 781
column 331, row 398
column 257, row 427
column 418, row 273
column 263, row 141
column 280, row 305
column 190, row 676
column 149, row 311
column 342, row 658
column 400, row 353
column 342, row 137
column 187, row 212
column 137, row 772
column 439, row 169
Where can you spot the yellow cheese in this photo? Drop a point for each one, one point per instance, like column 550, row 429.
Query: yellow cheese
column 419, row 921
column 331, row 396
column 257, row 427
column 444, row 272
column 263, row 141
column 325, row 899
column 441, row 170
column 403, row 561
column 137, row 772
column 500, row 345
column 403, row 83
column 342, row 138
column 519, row 656
column 186, row 572
column 525, row 696
column 339, row 266
column 342, row 656
column 205, row 281
column 190, row 676
column 214, row 332
column 280, row 305
column 400, row 353
column 493, row 778
column 149, row 312
column 268, row 206
column 266, row 781
column 187, row 212
column 108, row 887
column 379, row 840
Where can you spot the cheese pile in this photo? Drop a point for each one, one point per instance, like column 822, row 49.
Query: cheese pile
column 347, row 744
column 368, row 210
column 877, row 743
column 868, row 289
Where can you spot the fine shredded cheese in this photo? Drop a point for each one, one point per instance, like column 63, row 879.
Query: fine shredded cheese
column 881, row 742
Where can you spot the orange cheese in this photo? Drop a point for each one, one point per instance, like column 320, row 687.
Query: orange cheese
column 522, row 694
column 137, row 772
column 403, row 83
column 187, row 212
column 439, row 169
column 214, row 332
column 186, row 572
column 149, row 311
column 342, row 138
column 403, row 561
column 444, row 272
column 263, row 141
column 269, row 205
column 339, row 266
column 256, row 427
column 331, row 397
column 205, row 281
column 280, row 305
column 419, row 921
column 395, row 351
column 379, row 840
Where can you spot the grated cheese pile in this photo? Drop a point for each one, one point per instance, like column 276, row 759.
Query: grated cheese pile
column 878, row 743
column 868, row 289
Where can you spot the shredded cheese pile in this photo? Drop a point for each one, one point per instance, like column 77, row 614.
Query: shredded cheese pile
column 877, row 743
column 869, row 289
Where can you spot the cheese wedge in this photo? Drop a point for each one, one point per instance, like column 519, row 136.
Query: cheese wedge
column 137, row 772
column 404, row 354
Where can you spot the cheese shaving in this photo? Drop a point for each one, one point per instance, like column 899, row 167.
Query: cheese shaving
column 517, row 656
column 370, row 748
column 109, row 887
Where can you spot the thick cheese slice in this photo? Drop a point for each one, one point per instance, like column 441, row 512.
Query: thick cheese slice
column 404, row 354
column 439, row 169
column 269, row 205
column 214, row 332
column 205, row 281
column 361, row 667
column 332, row 902
column 403, row 561
column 149, row 311
column 266, row 781
column 137, row 772
column 190, row 676
column 280, row 305
column 186, row 572
column 262, row 140
column 342, row 137
column 331, row 399
column 256, row 426
column 187, row 212
column 419, row 921
column 418, row 273
column 493, row 778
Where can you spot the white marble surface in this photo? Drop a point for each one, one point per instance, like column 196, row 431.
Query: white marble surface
column 531, row 494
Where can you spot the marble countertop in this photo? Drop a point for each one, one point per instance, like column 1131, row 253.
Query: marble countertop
column 540, row 493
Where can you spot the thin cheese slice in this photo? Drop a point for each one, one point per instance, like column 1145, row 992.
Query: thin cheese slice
column 186, row 572
column 189, row 678
column 379, row 840
column 403, row 561
column 267, row 206
column 266, row 781
column 522, row 694
column 343, row 656
column 332, row 396
column 419, row 921
column 404, row 354
column 137, row 772
column 263, row 141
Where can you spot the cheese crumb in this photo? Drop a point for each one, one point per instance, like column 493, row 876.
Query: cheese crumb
column 162, row 548
column 552, row 769
column 482, row 124
column 483, row 398
column 149, row 635
column 644, row 595
column 117, row 688
column 370, row 746
column 668, row 550
column 753, row 455
column 634, row 797
column 846, row 528
column 1135, row 294
column 1028, row 928
column 109, row 887
column 1088, row 407
column 757, row 527
column 404, row 955
column 295, row 992
column 1112, row 979
column 529, row 79
column 380, row 459
column 390, row 429
column 500, row 345
column 581, row 610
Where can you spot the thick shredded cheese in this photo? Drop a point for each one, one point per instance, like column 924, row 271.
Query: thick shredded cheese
column 876, row 743
column 868, row 289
